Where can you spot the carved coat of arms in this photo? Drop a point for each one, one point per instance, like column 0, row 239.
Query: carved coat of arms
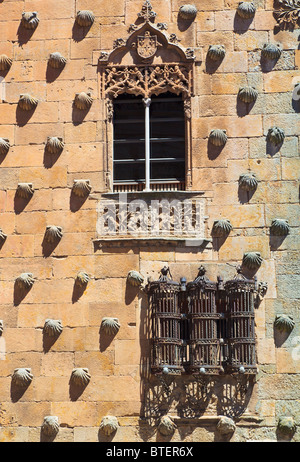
column 147, row 45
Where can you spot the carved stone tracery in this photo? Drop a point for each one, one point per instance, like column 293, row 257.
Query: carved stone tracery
column 287, row 13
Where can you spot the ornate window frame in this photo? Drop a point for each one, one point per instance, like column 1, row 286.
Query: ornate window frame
column 147, row 63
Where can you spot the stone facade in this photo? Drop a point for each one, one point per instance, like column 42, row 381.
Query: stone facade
column 118, row 382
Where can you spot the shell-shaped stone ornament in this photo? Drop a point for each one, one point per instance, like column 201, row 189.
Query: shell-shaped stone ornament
column 275, row 135
column 246, row 10
column 4, row 146
column 25, row 281
column 50, row 426
column 248, row 94
column 30, row 20
column 188, row 11
column 218, row 137
column 1, row 327
column 53, row 327
column 80, row 376
column 82, row 279
column 83, row 100
column 53, row 233
column 57, row 60
column 280, row 227
column 166, row 426
column 271, row 51
column 216, row 52
column 252, row 260
column 226, row 425
column 221, row 228
column 134, row 278
column 284, row 323
column 110, row 325
column 3, row 236
column 85, row 18
column 286, row 425
column 81, row 188
column 109, row 424
column 27, row 102
column 5, row 63
column 22, row 377
column 54, row 144
column 248, row 181
column 25, row 190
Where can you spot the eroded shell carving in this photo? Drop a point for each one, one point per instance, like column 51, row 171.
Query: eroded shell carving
column 25, row 190
column 80, row 376
column 271, row 51
column 246, row 10
column 56, row 60
column 30, row 20
column 218, row 137
column 5, row 63
column 22, row 377
column 248, row 182
column 85, row 18
column 25, row 281
column 275, row 136
column 248, row 94
column 2, row 236
column 83, row 100
column 4, row 146
column 82, row 278
column 50, row 425
column 280, row 227
column 135, row 278
column 221, row 228
column 81, row 188
column 53, row 233
column 1, row 327
column 216, row 52
column 188, row 11
column 286, row 425
column 284, row 323
column 252, row 260
column 27, row 102
column 53, row 327
column 110, row 325
column 109, row 424
column 166, row 426
column 54, row 144
column 226, row 425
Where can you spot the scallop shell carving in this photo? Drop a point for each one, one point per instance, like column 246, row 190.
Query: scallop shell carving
column 226, row 425
column 53, row 327
column 50, row 425
column 109, row 424
column 221, row 228
column 5, row 63
column 188, row 11
column 246, row 10
column 82, row 278
column 252, row 260
column 286, row 425
column 25, row 190
column 22, row 377
column 248, row 94
column 275, row 136
column 284, row 323
column 1, row 327
column 166, row 426
column 4, row 146
column 248, row 182
column 53, row 233
column 56, row 60
column 280, row 227
column 85, row 18
column 218, row 137
column 83, row 100
column 2, row 236
column 27, row 102
column 25, row 281
column 30, row 20
column 54, row 144
column 134, row 278
column 80, row 376
column 271, row 51
column 110, row 325
column 216, row 52
column 81, row 188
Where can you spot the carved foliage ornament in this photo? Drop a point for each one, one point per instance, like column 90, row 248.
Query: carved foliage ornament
column 287, row 13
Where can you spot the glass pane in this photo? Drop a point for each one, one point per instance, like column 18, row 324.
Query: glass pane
column 167, row 170
column 129, row 172
column 129, row 151
column 170, row 149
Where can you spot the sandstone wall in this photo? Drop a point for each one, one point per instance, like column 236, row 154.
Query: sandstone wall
column 117, row 386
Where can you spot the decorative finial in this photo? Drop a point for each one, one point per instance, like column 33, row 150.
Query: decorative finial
column 147, row 14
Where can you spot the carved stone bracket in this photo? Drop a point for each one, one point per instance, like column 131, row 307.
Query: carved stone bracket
column 287, row 13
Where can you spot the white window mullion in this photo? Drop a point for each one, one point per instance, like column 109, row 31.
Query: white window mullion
column 147, row 102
